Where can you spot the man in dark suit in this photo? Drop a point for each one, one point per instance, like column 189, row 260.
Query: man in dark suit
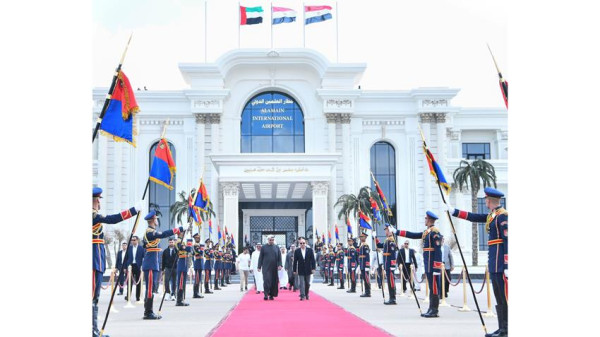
column 119, row 267
column 304, row 265
column 169, row 268
column 410, row 261
column 135, row 256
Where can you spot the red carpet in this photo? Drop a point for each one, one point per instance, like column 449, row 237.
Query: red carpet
column 288, row 316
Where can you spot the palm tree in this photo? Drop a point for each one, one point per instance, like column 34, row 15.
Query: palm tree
column 474, row 174
column 351, row 203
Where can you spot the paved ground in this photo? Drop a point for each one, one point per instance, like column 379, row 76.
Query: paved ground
column 203, row 315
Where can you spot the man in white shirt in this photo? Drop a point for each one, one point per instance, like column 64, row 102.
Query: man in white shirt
column 243, row 265
column 258, row 279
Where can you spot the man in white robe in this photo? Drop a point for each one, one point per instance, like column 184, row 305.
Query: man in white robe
column 258, row 278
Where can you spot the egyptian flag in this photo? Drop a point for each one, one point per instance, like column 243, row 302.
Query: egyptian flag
column 251, row 15
column 163, row 165
column 314, row 14
column 375, row 209
column 435, row 169
column 364, row 220
column 119, row 119
column 283, row 15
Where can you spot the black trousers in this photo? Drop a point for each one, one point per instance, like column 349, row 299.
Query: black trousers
column 170, row 275
column 391, row 282
column 405, row 274
column 366, row 281
column 500, row 286
column 135, row 277
column 121, row 280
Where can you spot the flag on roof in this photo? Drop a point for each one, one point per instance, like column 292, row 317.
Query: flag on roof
column 283, row 15
column 251, row 15
column 313, row 14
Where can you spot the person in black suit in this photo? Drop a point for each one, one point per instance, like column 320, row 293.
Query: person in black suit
column 169, row 268
column 120, row 262
column 411, row 260
column 304, row 266
column 135, row 256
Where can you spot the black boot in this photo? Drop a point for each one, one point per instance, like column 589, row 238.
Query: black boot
column 148, row 313
column 207, row 289
column 197, row 291
column 95, row 331
column 180, row 302
column 435, row 302
column 502, row 324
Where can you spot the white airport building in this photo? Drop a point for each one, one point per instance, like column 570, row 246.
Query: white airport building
column 279, row 135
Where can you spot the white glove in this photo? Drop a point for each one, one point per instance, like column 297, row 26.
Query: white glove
column 450, row 208
column 374, row 234
column 506, row 273
column 436, row 273
column 392, row 229
column 138, row 206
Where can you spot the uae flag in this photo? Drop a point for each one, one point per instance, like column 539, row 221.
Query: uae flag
column 251, row 15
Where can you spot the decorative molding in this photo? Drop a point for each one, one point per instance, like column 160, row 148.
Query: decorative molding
column 434, row 103
column 230, row 189
column 319, row 188
column 208, row 118
column 382, row 122
column 161, row 122
column 452, row 134
column 432, row 117
column 338, row 103
column 205, row 104
column 504, row 134
column 338, row 118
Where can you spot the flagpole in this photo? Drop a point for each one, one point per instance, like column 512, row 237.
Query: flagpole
column 303, row 26
column 271, row 25
column 110, row 91
column 239, row 23
column 205, row 32
column 457, row 242
column 337, row 23
column 503, row 83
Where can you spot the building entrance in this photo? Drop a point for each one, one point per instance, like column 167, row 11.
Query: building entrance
column 285, row 229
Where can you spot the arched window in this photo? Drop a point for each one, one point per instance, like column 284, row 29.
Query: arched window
column 272, row 122
column 160, row 198
column 383, row 166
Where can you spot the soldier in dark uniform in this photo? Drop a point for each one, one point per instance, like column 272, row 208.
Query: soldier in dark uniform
column 352, row 260
column 339, row 259
column 364, row 261
column 331, row 264
column 218, row 267
column 432, row 259
column 496, row 225
column 208, row 265
column 182, row 254
column 150, row 265
column 227, row 259
column 323, row 264
column 98, row 250
column 198, row 250
column 390, row 250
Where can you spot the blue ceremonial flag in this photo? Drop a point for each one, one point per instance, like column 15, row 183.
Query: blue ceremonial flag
column 119, row 119
column 435, row 169
column 201, row 198
column 364, row 220
column 163, row 165
column 349, row 226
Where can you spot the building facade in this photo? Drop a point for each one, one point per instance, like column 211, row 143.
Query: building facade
column 279, row 136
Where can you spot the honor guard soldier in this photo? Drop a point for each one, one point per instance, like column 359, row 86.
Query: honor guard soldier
column 496, row 225
column 324, row 264
column 339, row 259
column 432, row 259
column 198, row 250
column 331, row 264
column 218, row 267
column 390, row 250
column 352, row 260
column 364, row 262
column 150, row 265
column 208, row 265
column 98, row 250
column 182, row 253
column 227, row 258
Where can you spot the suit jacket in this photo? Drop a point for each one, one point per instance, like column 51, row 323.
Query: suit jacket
column 168, row 259
column 304, row 266
column 411, row 256
column 119, row 258
column 288, row 264
column 139, row 256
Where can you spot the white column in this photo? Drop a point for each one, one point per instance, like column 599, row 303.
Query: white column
column 346, row 154
column 199, row 163
column 440, row 157
column 213, row 184
column 230, row 209
column 118, row 177
column 427, row 178
column 331, row 134
column 319, row 200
